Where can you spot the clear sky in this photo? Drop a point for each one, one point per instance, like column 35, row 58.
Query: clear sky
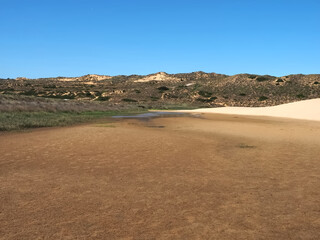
column 49, row 38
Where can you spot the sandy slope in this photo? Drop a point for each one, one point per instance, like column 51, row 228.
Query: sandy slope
column 307, row 110
column 161, row 76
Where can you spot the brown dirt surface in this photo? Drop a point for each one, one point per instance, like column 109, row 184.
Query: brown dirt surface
column 215, row 177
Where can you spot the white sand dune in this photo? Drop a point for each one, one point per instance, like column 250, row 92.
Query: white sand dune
column 307, row 110
column 160, row 76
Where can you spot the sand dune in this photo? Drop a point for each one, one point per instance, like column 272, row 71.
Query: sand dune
column 161, row 76
column 307, row 110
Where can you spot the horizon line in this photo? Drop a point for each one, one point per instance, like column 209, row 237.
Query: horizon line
column 135, row 74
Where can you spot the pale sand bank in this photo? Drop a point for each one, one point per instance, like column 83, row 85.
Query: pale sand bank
column 306, row 110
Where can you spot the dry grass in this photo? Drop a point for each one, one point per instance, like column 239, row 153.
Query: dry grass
column 17, row 103
column 22, row 120
column 21, row 112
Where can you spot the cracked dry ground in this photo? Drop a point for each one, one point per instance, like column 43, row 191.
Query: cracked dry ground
column 215, row 177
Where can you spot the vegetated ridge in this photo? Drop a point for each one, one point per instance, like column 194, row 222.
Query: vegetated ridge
column 160, row 90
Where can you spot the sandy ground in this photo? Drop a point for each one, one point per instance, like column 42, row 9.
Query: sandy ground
column 306, row 110
column 215, row 177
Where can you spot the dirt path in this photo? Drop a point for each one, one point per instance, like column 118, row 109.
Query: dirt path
column 220, row 177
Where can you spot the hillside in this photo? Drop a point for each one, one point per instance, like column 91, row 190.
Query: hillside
column 197, row 89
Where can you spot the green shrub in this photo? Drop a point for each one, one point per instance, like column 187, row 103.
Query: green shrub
column 60, row 96
column 204, row 100
column 163, row 88
column 205, row 93
column 252, row 76
column 263, row 98
column 196, row 86
column 154, row 98
column 7, row 89
column 300, row 96
column 30, row 92
column 106, row 98
column 261, row 79
column 50, row 86
column 128, row 100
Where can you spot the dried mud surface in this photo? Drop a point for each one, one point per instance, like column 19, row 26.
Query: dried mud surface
column 215, row 177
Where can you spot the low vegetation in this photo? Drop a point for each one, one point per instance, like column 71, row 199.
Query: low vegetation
column 22, row 112
column 129, row 100
column 24, row 120
column 263, row 98
column 205, row 93
column 301, row 96
column 192, row 88
column 163, row 88
column 42, row 102
column 262, row 79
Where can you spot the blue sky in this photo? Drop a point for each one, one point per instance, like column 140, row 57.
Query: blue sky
column 49, row 38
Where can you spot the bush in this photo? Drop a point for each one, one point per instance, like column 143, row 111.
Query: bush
column 203, row 100
column 205, row 93
column 262, row 79
column 128, row 100
column 50, row 86
column 242, row 94
column 172, row 96
column 154, row 98
column 263, row 98
column 300, row 96
column 252, row 76
column 60, row 96
column 206, row 100
column 30, row 92
column 163, row 88
column 107, row 98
